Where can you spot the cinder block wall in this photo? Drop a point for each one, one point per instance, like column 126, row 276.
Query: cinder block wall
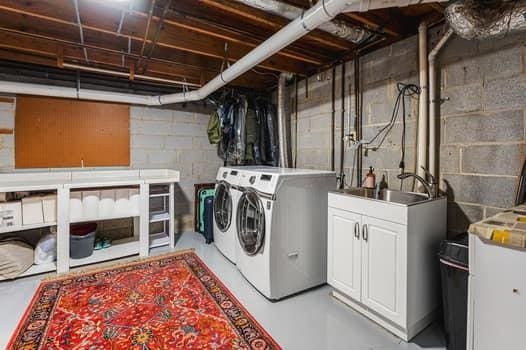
column 177, row 139
column 482, row 131
column 482, row 125
column 159, row 138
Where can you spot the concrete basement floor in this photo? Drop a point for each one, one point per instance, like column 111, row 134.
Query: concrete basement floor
column 311, row 320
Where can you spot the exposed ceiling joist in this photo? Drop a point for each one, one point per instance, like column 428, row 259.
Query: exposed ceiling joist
column 183, row 39
column 179, row 68
column 270, row 21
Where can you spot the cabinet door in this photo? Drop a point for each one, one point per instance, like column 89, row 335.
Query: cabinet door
column 384, row 268
column 344, row 252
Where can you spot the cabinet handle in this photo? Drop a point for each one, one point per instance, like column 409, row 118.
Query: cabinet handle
column 357, row 230
column 365, row 233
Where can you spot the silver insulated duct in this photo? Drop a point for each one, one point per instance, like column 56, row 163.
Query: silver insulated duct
column 283, row 121
column 484, row 19
column 337, row 28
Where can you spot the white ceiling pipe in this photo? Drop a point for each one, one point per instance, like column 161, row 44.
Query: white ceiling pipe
column 340, row 29
column 96, row 95
column 423, row 101
column 323, row 11
column 66, row 92
column 37, row 89
column 434, row 100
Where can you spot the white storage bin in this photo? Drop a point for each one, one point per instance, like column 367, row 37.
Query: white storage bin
column 134, row 201
column 107, row 203
column 122, row 201
column 75, row 205
column 32, row 211
column 90, row 204
column 49, row 207
column 11, row 214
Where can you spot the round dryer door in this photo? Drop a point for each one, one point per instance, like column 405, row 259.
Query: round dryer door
column 251, row 222
column 223, row 206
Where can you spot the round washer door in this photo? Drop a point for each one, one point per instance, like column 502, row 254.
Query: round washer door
column 223, row 206
column 251, row 222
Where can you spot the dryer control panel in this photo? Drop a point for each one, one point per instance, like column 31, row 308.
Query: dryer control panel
column 264, row 183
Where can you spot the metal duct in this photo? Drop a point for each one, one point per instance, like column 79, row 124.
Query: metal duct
column 485, row 19
column 283, row 124
column 366, row 5
column 337, row 28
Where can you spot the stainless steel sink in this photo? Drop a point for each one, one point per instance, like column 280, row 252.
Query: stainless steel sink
column 392, row 196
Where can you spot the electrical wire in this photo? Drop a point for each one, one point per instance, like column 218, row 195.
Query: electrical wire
column 404, row 90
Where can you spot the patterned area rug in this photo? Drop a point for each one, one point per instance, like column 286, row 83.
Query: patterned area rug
column 169, row 302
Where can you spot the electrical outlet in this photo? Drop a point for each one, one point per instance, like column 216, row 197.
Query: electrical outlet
column 350, row 139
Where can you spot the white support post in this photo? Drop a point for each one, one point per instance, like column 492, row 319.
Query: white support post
column 171, row 210
column 63, row 230
column 144, row 220
column 136, row 227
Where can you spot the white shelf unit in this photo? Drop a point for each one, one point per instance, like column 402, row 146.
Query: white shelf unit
column 160, row 239
column 64, row 182
column 102, row 218
column 27, row 227
column 159, row 216
column 118, row 249
column 165, row 192
column 41, row 268
column 25, row 183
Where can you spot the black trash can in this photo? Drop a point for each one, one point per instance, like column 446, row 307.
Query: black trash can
column 208, row 231
column 454, row 270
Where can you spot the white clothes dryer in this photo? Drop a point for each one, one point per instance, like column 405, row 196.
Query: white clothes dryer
column 282, row 228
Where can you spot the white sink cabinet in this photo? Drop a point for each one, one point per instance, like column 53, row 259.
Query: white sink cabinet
column 382, row 259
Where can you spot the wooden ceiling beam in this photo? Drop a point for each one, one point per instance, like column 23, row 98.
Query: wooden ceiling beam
column 264, row 19
column 137, row 28
column 185, row 40
column 437, row 7
column 46, row 59
column 73, row 51
column 365, row 20
column 227, row 33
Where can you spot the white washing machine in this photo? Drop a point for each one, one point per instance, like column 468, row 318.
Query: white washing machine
column 225, row 204
column 282, row 228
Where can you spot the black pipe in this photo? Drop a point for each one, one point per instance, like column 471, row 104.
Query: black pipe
column 358, row 118
column 333, row 116
column 342, row 127
column 296, row 115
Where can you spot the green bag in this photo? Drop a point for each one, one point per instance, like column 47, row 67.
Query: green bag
column 214, row 129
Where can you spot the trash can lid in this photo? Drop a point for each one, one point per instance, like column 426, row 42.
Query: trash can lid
column 82, row 229
column 455, row 251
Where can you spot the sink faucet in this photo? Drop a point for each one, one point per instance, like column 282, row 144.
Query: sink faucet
column 430, row 186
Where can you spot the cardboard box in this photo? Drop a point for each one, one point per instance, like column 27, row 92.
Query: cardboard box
column 32, row 211
column 11, row 214
column 49, row 207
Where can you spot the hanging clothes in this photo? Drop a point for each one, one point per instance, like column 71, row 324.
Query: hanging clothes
column 245, row 131
column 214, row 129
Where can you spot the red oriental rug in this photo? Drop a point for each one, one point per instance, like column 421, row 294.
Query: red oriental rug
column 168, row 302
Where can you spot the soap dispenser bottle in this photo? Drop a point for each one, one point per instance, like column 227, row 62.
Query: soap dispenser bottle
column 370, row 179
